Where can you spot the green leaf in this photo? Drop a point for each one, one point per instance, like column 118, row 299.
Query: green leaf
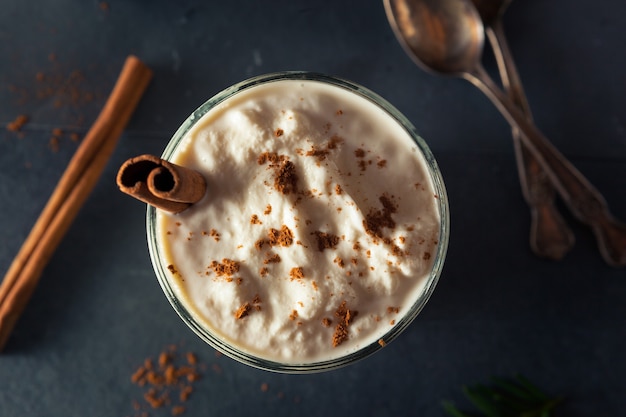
column 516, row 397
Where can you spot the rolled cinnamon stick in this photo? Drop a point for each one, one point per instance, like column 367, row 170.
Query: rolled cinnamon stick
column 77, row 181
column 160, row 183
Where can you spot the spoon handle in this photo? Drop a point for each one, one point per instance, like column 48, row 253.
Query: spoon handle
column 550, row 237
column 584, row 201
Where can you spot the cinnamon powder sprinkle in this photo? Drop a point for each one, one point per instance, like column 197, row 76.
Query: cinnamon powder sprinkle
column 227, row 268
column 268, row 210
column 326, row 322
column 282, row 237
column 325, row 240
column 163, row 381
column 254, row 219
column 376, row 220
column 345, row 316
column 296, row 273
column 271, row 258
column 243, row 311
column 278, row 132
column 286, row 179
column 17, row 124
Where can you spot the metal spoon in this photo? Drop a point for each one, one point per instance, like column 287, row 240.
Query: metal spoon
column 446, row 37
column 550, row 237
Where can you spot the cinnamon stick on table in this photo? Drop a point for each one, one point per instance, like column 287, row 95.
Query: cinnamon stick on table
column 79, row 178
column 160, row 183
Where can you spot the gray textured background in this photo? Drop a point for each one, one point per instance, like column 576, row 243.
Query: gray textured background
column 498, row 310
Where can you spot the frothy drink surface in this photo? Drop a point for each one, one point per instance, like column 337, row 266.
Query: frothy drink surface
column 319, row 227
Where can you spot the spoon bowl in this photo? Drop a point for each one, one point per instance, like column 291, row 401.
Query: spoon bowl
column 447, row 37
column 443, row 37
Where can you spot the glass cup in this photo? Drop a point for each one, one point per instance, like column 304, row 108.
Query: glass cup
column 227, row 348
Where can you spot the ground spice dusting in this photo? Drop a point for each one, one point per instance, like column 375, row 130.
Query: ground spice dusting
column 345, row 317
column 285, row 177
column 296, row 273
column 282, row 237
column 320, row 153
column 279, row 132
column 254, row 219
column 17, row 124
column 325, row 240
column 326, row 322
column 243, row 311
column 376, row 220
column 271, row 258
column 168, row 384
column 227, row 268
column 268, row 210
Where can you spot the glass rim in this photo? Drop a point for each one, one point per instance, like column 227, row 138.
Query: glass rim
column 431, row 280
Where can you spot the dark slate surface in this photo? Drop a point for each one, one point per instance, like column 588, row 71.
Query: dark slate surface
column 498, row 310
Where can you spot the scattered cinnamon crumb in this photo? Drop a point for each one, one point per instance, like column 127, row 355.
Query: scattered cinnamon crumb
column 263, row 271
column 279, row 132
column 53, row 144
column 426, row 256
column 228, row 267
column 339, row 262
column 382, row 343
column 325, row 240
column 376, row 220
column 391, row 309
column 326, row 322
column 345, row 316
column 296, row 273
column 271, row 258
column 338, row 189
column 286, row 179
column 254, row 219
column 243, row 311
column 293, row 315
column 178, row 410
column 191, row 358
column 268, row 210
column 359, row 153
column 17, row 124
column 382, row 163
column 163, row 382
column 282, row 237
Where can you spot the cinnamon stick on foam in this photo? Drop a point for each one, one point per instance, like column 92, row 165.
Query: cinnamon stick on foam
column 160, row 183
